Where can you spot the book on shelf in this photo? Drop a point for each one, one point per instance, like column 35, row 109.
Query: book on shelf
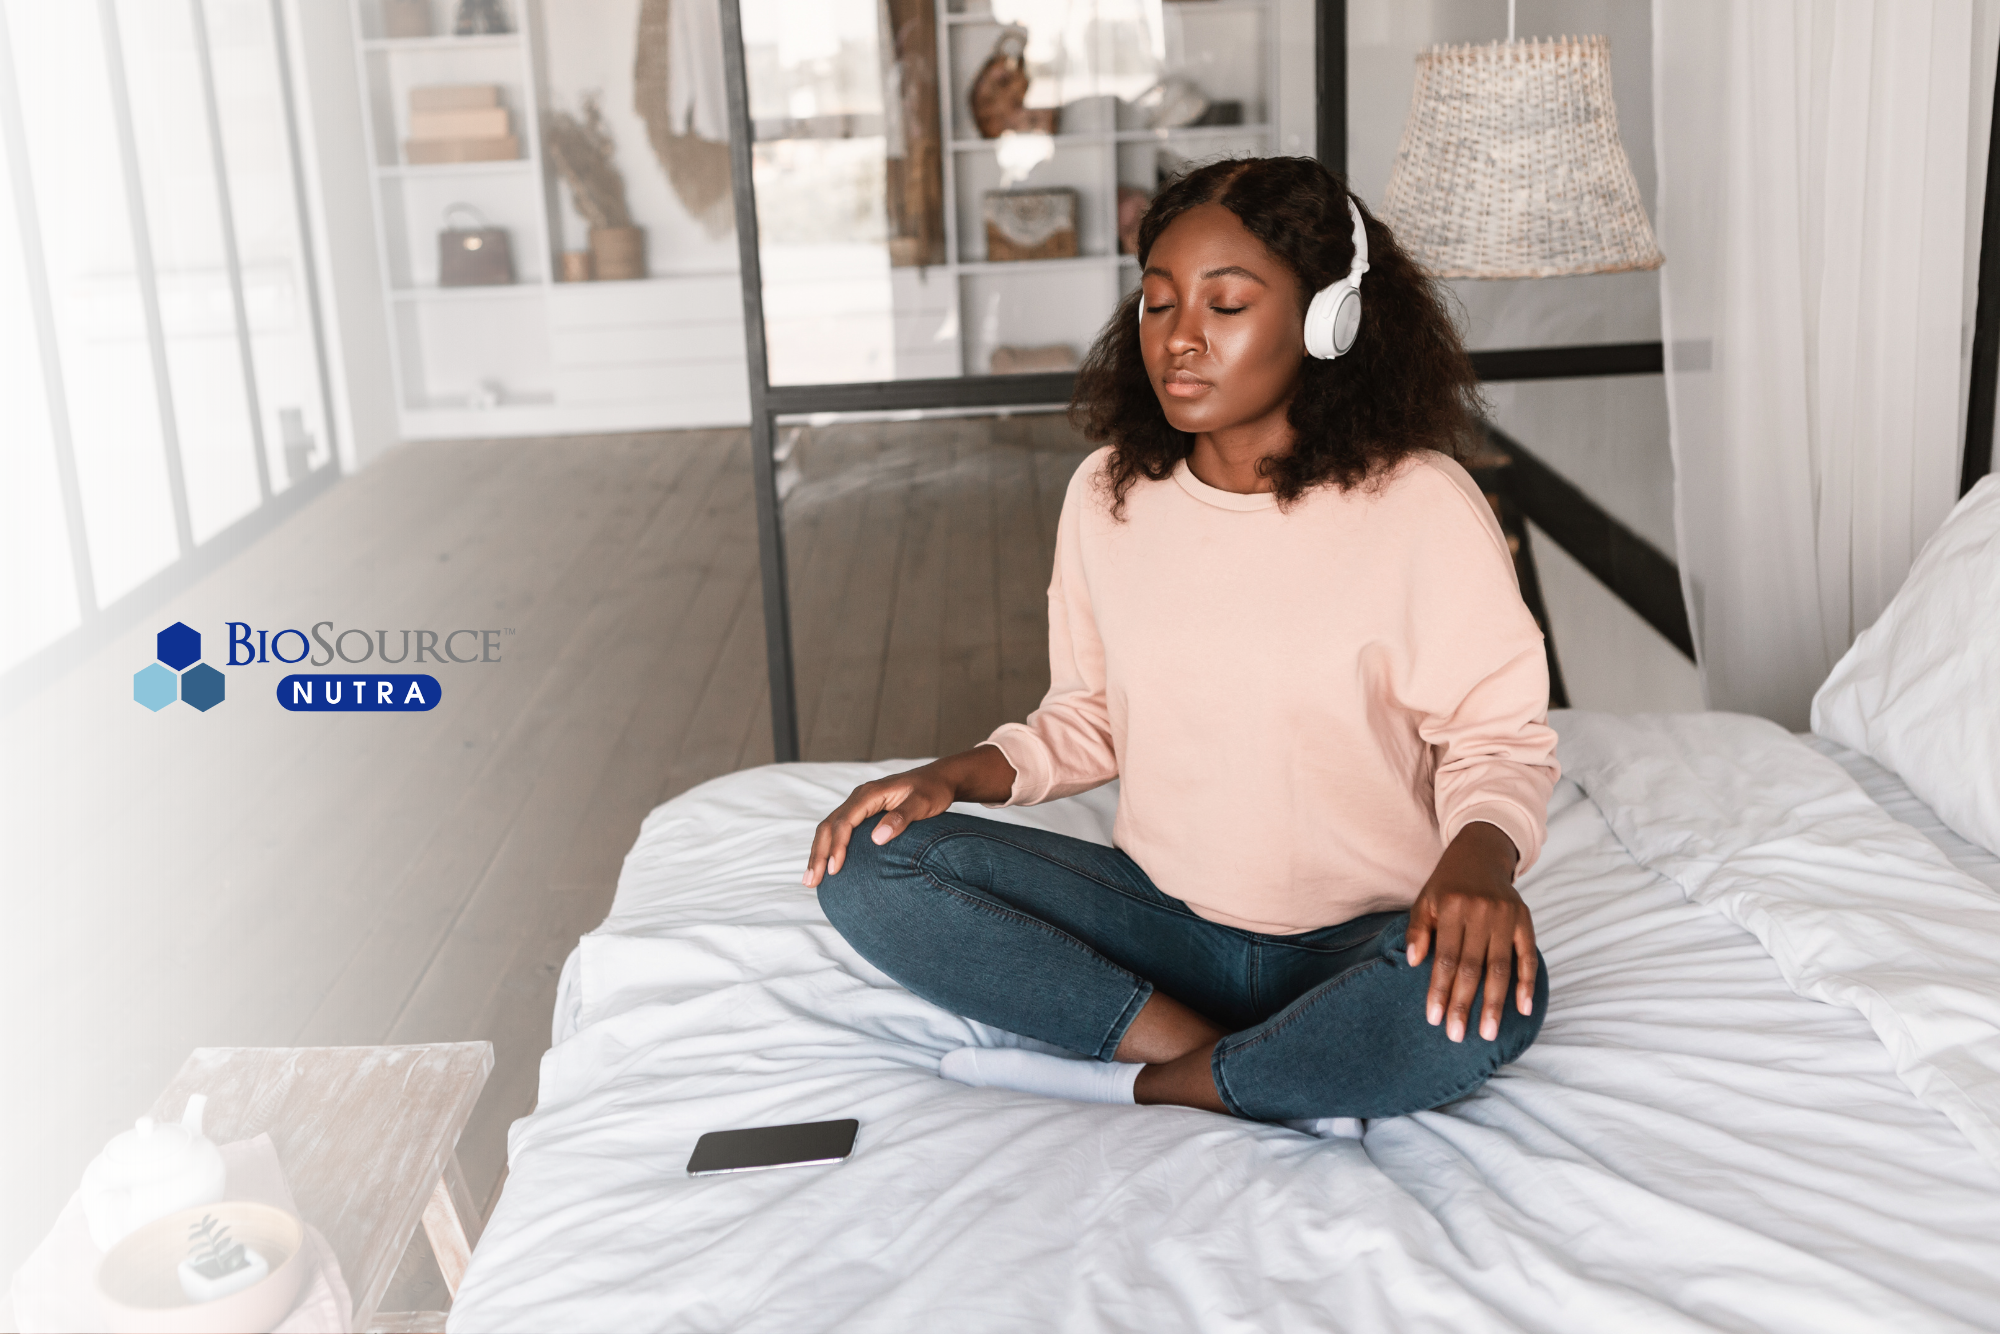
column 462, row 122
column 432, row 152
column 454, row 96
column 473, row 123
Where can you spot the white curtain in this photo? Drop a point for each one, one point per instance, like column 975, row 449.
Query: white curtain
column 1821, row 168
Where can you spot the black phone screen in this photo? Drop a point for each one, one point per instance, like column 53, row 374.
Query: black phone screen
column 772, row 1146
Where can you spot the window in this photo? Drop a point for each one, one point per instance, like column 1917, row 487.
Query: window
column 159, row 341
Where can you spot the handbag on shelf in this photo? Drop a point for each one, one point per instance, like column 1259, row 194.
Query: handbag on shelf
column 475, row 256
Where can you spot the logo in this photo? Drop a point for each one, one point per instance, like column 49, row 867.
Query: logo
column 180, row 674
column 313, row 693
column 373, row 671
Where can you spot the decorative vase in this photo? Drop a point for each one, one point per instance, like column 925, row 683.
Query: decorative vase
column 618, row 253
column 480, row 18
column 1001, row 87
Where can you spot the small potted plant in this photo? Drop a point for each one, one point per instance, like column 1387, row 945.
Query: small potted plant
column 217, row 1265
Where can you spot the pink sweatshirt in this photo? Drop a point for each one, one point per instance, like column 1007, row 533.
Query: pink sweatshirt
column 1304, row 706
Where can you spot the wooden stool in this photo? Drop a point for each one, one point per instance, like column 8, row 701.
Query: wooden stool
column 368, row 1139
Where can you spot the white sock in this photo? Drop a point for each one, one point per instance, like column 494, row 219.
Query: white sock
column 1032, row 1072
column 1331, row 1127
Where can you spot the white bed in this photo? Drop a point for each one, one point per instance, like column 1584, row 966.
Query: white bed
column 1691, row 1144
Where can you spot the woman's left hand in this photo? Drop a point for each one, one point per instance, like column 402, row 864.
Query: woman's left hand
column 1471, row 912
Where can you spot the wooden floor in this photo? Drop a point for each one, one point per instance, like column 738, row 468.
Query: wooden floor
column 256, row 877
column 919, row 557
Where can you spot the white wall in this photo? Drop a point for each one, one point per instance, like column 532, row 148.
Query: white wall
column 588, row 46
column 332, row 129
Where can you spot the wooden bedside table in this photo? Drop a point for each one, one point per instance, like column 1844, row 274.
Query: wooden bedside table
column 368, row 1140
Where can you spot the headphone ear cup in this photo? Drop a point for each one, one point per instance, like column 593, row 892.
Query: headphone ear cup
column 1346, row 321
column 1319, row 325
column 1332, row 320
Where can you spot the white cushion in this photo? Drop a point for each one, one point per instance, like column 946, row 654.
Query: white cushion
column 1920, row 689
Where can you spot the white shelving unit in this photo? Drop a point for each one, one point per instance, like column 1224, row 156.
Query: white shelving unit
column 568, row 358
column 1228, row 47
column 668, row 351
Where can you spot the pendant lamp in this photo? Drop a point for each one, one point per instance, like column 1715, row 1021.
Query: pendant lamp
column 1511, row 167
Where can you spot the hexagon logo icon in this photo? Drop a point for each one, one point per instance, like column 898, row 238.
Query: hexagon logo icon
column 180, row 674
column 179, row 646
column 156, row 687
column 201, row 686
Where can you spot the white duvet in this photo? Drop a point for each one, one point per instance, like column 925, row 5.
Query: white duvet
column 1692, row 1144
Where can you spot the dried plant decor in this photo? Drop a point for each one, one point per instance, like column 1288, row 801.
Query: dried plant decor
column 582, row 150
column 213, row 1252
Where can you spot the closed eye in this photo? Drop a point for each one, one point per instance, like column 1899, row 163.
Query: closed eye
column 1227, row 310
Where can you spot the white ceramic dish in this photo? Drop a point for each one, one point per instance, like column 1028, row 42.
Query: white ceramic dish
column 140, row 1284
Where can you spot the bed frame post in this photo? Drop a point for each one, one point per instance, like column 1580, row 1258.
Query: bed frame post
column 1977, row 459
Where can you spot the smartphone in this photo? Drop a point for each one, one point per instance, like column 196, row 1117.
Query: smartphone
column 772, row 1146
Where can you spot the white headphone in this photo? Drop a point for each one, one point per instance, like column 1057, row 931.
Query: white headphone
column 1334, row 316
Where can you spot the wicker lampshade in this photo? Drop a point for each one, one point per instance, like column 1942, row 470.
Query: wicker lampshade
column 1510, row 165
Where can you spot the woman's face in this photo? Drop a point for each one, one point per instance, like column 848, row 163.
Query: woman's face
column 1223, row 335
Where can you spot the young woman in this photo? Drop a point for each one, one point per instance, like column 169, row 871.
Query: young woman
column 1285, row 619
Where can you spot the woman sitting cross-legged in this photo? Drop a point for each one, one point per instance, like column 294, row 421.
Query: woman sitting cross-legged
column 1285, row 619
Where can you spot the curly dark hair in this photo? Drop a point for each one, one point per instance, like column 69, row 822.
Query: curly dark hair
column 1406, row 385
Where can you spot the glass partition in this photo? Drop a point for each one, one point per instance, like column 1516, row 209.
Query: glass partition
column 946, row 195
column 918, row 557
column 949, row 188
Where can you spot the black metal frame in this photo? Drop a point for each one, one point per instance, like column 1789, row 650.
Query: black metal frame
column 1977, row 460
column 1330, row 86
column 1585, row 361
column 1642, row 576
column 971, row 391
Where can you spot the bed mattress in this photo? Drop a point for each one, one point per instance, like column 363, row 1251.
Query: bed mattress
column 1691, row 1144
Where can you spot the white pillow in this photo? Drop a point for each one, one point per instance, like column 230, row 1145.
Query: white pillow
column 1920, row 689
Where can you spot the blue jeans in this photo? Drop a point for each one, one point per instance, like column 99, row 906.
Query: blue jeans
column 1062, row 940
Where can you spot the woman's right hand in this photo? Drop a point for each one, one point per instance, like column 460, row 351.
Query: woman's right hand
column 980, row 774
